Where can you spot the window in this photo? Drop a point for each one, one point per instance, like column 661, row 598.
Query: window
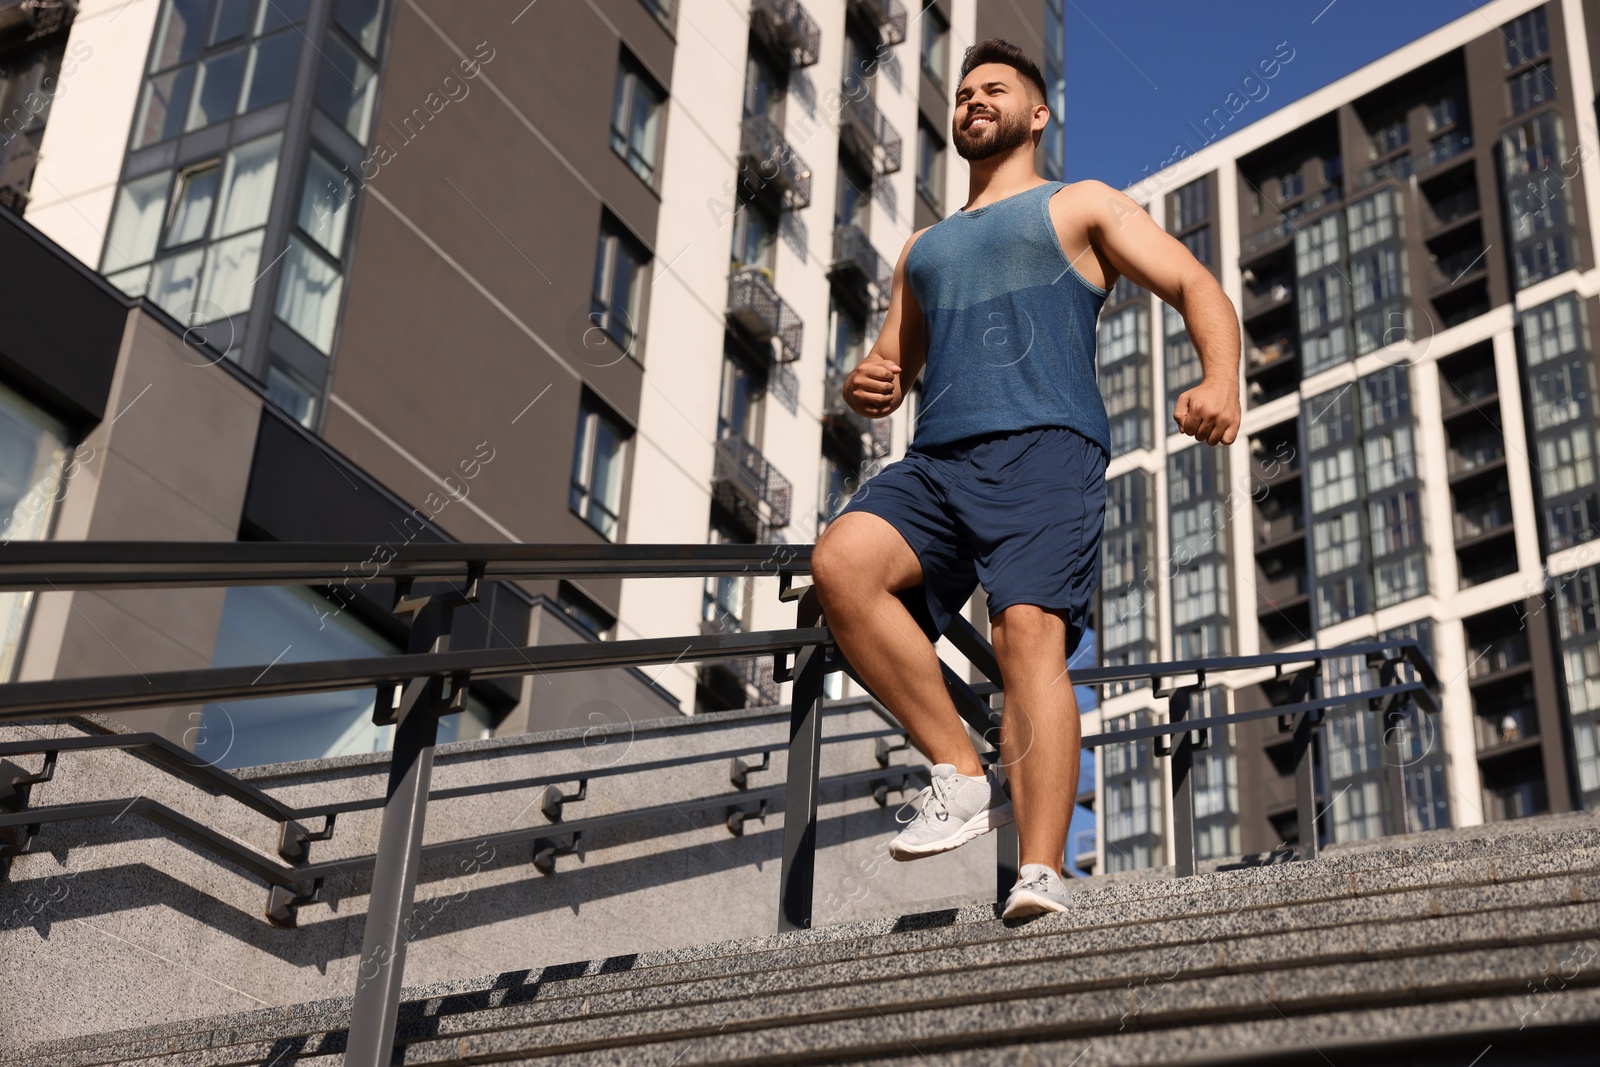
column 1396, row 522
column 1443, row 112
column 930, row 166
column 846, row 342
column 294, row 624
column 597, row 460
column 1527, row 38
column 208, row 235
column 203, row 69
column 1566, row 461
column 739, row 404
column 292, row 394
column 1316, row 245
column 1291, row 185
column 755, row 238
column 1189, row 205
column 855, row 195
column 1559, row 393
column 1551, row 330
column 619, row 272
column 308, row 294
column 1333, row 480
column 763, row 86
column 636, row 119
column 1543, row 258
column 33, row 452
column 1321, row 301
column 1122, row 335
column 1531, row 88
column 1372, row 220
column 347, row 87
column 584, row 611
column 1336, row 543
column 325, row 197
column 1199, row 244
column 935, row 45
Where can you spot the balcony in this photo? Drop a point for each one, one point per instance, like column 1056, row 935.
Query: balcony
column 1497, row 657
column 866, row 133
column 1395, row 167
column 861, row 438
column 757, row 309
column 888, row 17
column 1482, row 518
column 766, row 160
column 1277, row 593
column 1264, row 295
column 789, row 28
column 1449, row 210
column 1467, row 392
column 859, row 269
column 1447, row 271
column 1446, row 147
column 1259, row 358
column 1289, row 216
column 1476, row 454
column 748, row 489
column 1501, row 728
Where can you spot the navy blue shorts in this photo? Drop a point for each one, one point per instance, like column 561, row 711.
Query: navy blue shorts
column 1022, row 513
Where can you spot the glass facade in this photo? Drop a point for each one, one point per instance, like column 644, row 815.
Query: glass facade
column 1123, row 347
column 1197, row 516
column 196, row 224
column 1558, row 375
column 1127, row 617
column 1133, row 823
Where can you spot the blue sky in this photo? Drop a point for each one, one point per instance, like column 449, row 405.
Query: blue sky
column 1139, row 72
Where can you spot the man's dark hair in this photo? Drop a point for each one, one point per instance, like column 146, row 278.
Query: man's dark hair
column 996, row 50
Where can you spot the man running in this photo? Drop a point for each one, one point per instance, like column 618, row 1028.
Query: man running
column 1004, row 482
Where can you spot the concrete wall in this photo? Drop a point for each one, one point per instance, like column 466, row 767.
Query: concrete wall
column 169, row 462
column 115, row 924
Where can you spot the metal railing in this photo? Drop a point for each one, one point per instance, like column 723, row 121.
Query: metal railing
column 856, row 261
column 866, row 132
column 767, row 158
column 789, row 27
column 757, row 308
column 429, row 680
column 887, row 16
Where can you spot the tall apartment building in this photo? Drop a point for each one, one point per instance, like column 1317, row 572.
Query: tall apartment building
column 501, row 271
column 1412, row 252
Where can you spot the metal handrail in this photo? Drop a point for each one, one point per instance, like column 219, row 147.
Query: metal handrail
column 430, row 680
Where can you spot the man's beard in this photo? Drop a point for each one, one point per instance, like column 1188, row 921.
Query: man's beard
column 1008, row 131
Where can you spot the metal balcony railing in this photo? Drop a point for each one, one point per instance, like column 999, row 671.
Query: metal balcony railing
column 1289, row 219
column 429, row 681
column 866, row 132
column 857, row 264
column 789, row 28
column 1507, row 727
column 766, row 159
column 746, row 484
column 1444, row 148
column 867, row 438
column 887, row 16
column 755, row 306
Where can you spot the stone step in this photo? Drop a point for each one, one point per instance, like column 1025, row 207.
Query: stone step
column 853, row 1022
column 1361, row 885
column 1130, row 955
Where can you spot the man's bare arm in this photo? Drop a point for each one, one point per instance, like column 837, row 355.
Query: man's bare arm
column 1138, row 248
column 878, row 385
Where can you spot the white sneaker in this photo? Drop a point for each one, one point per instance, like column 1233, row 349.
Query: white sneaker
column 1039, row 889
column 955, row 809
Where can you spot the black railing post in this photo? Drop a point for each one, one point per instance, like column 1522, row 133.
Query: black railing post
column 1007, row 850
column 1392, row 720
column 1182, row 757
column 381, row 969
column 1305, row 782
column 797, row 877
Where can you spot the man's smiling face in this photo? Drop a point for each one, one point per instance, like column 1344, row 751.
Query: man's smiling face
column 994, row 111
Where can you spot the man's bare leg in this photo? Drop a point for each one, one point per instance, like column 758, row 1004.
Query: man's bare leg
column 1040, row 736
column 860, row 562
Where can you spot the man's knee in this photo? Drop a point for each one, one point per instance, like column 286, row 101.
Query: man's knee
column 854, row 556
column 1029, row 632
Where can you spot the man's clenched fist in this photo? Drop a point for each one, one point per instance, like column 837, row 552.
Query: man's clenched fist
column 1210, row 411
column 873, row 388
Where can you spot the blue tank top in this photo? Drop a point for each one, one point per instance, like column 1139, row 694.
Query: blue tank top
column 1010, row 325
